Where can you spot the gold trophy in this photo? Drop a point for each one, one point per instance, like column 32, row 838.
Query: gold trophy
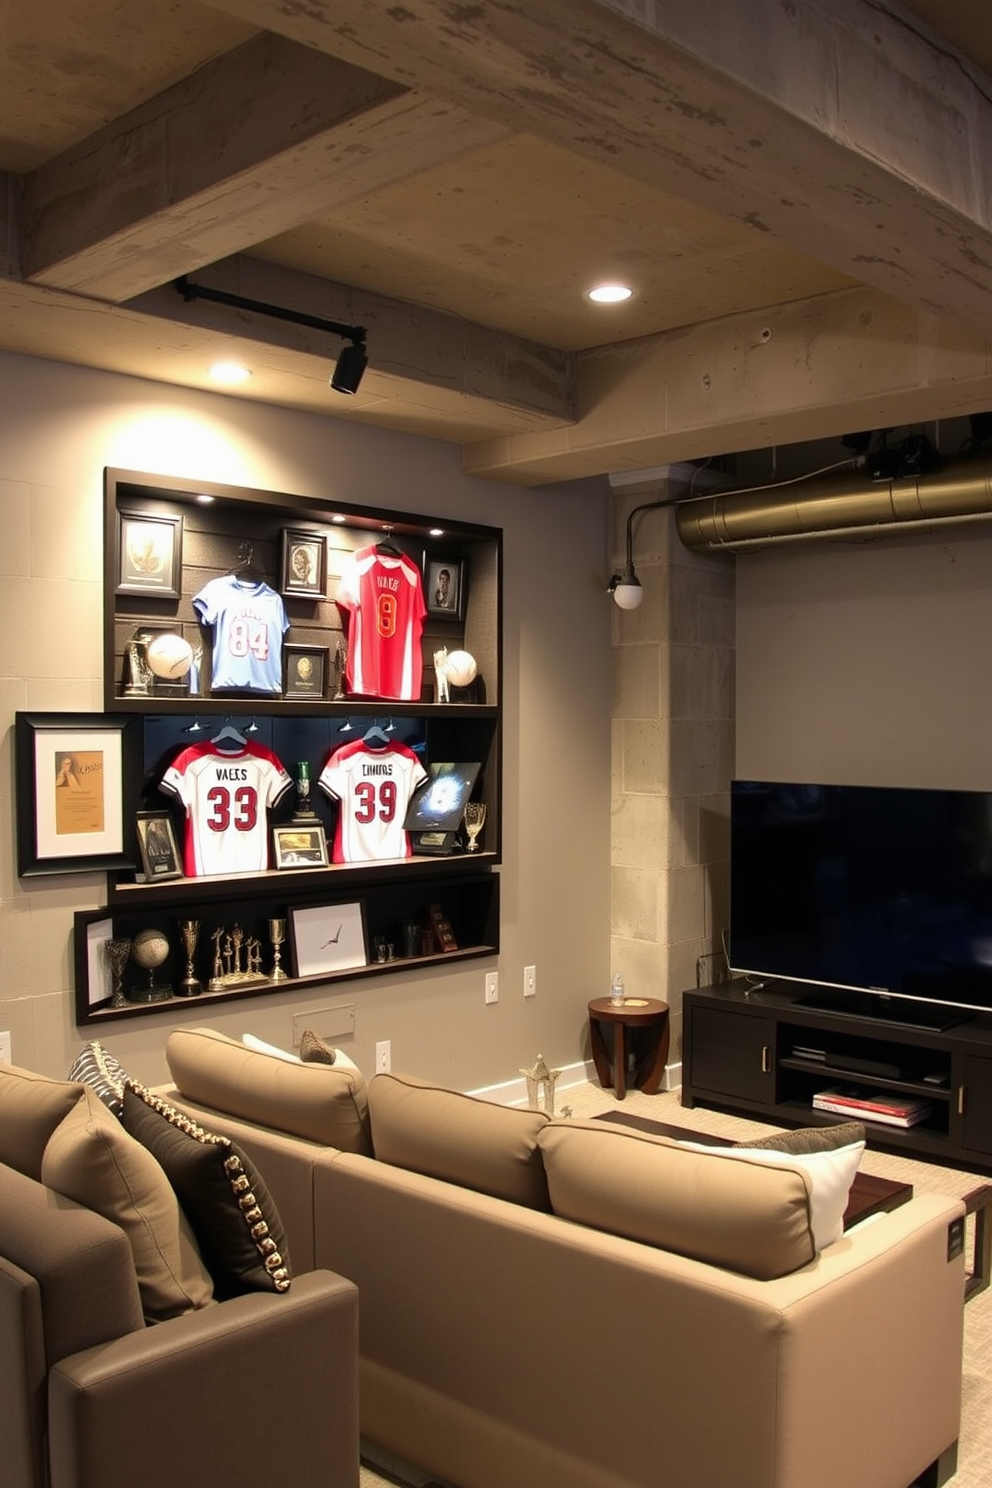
column 277, row 935
column 118, row 951
column 189, row 932
column 475, row 820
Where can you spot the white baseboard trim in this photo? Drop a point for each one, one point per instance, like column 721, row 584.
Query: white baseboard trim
column 582, row 1072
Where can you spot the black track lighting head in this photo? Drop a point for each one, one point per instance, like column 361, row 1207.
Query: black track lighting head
column 350, row 368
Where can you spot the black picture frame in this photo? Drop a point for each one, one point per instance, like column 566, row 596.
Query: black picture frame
column 157, row 844
column 444, row 585
column 296, row 846
column 304, row 563
column 150, row 553
column 304, row 671
column 76, row 775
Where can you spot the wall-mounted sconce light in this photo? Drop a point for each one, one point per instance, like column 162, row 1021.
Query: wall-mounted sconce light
column 351, row 362
column 626, row 586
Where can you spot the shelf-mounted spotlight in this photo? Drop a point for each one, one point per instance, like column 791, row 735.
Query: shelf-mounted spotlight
column 353, row 358
column 625, row 586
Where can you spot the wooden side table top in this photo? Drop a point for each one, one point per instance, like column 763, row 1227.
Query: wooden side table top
column 632, row 1010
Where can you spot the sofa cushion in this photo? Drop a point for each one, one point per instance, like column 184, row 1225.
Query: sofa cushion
column 90, row 1158
column 747, row 1216
column 810, row 1138
column 95, row 1067
column 323, row 1103
column 830, row 1175
column 31, row 1107
column 460, row 1138
column 234, row 1219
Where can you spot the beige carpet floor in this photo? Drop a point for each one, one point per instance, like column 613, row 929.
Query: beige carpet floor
column 975, row 1452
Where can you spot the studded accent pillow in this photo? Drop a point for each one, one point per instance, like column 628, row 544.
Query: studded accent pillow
column 236, row 1224
column 104, row 1074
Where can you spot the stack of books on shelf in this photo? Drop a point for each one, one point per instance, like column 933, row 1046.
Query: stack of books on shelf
column 891, row 1110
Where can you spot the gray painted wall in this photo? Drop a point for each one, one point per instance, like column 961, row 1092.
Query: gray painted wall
column 867, row 664
column 59, row 426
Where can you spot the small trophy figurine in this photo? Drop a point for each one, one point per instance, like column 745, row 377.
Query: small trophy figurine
column 118, row 951
column 189, row 931
column 475, row 819
column 277, row 935
column 304, row 814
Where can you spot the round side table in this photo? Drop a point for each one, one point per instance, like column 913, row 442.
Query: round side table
column 632, row 1013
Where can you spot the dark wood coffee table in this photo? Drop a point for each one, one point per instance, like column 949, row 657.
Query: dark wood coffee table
column 869, row 1195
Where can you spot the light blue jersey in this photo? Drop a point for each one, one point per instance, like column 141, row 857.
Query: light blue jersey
column 248, row 621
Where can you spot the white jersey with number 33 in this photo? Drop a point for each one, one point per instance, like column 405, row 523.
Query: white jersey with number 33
column 226, row 797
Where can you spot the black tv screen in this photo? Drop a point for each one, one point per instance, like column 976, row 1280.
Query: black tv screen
column 880, row 890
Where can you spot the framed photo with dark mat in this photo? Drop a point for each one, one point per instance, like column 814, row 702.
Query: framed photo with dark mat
column 304, row 563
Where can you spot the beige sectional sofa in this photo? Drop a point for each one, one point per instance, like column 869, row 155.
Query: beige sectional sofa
column 569, row 1305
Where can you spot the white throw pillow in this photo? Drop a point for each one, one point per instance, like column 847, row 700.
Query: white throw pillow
column 260, row 1047
column 830, row 1174
column 341, row 1060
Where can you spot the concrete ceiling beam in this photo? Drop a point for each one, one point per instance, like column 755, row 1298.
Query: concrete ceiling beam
column 252, row 144
column 831, row 365
column 848, row 131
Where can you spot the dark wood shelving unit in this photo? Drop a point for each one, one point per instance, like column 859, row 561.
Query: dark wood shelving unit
column 465, row 728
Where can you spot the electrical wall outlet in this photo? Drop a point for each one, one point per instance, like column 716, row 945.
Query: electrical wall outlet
column 383, row 1058
column 492, row 986
column 530, row 981
column 5, row 1054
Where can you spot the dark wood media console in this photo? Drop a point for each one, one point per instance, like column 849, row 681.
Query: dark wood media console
column 762, row 1052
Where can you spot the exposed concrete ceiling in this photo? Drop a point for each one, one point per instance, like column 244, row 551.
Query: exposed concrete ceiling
column 799, row 195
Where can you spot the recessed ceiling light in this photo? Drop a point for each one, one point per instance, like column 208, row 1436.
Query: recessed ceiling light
column 204, row 498
column 229, row 373
column 339, row 520
column 435, row 532
column 609, row 294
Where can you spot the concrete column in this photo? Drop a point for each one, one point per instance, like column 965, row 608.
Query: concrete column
column 672, row 758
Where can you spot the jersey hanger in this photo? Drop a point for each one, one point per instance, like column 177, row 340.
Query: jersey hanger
column 376, row 736
column 230, row 736
column 387, row 548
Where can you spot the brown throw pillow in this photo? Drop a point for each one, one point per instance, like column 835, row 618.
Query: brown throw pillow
column 314, row 1050
column 233, row 1217
column 90, row 1158
column 811, row 1138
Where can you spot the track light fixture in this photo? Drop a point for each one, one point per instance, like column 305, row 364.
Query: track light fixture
column 353, row 358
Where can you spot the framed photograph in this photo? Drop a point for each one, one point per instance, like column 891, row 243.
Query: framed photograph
column 157, row 843
column 304, row 563
column 304, row 671
column 150, row 549
column 300, row 847
column 327, row 937
column 74, row 772
column 444, row 586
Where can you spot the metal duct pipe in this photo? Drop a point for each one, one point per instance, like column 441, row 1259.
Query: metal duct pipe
column 848, row 505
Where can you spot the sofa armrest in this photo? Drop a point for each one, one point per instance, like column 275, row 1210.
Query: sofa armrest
column 258, row 1390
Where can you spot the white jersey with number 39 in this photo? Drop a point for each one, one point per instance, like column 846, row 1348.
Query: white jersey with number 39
column 226, row 797
column 374, row 787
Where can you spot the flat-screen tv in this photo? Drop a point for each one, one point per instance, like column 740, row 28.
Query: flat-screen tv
column 878, row 898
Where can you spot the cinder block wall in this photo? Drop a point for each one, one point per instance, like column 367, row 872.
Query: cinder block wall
column 672, row 759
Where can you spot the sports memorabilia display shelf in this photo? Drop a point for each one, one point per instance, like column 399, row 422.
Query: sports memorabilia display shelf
column 762, row 1053
column 212, row 530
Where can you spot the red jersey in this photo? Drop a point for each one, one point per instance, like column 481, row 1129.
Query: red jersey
column 383, row 598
